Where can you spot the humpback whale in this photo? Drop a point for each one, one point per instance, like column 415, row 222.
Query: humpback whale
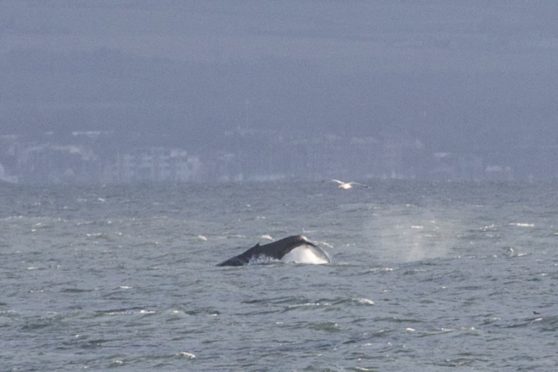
column 294, row 249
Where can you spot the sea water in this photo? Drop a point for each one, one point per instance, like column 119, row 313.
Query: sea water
column 426, row 277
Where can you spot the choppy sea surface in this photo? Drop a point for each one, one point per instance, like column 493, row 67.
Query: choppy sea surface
column 433, row 277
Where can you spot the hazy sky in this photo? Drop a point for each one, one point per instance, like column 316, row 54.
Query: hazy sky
column 458, row 75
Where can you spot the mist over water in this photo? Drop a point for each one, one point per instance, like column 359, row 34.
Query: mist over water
column 426, row 277
column 410, row 233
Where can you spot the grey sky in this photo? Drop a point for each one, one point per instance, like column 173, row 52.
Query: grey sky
column 456, row 74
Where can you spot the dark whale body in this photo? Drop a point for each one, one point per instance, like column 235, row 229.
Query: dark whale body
column 294, row 248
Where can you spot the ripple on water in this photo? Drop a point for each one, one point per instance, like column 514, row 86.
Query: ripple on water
column 330, row 303
column 33, row 323
column 540, row 322
column 323, row 326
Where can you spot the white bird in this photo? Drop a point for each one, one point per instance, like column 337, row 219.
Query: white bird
column 347, row 185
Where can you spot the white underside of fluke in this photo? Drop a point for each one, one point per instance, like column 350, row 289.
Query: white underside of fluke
column 305, row 254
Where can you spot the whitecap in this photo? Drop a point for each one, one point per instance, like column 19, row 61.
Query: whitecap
column 93, row 235
column 364, row 301
column 380, row 269
column 468, row 329
column 488, row 227
column 522, row 224
column 187, row 355
column 308, row 304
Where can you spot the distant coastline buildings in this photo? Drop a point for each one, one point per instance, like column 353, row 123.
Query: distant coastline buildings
column 99, row 157
column 152, row 165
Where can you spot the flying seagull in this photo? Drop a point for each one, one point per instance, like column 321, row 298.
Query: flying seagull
column 347, row 185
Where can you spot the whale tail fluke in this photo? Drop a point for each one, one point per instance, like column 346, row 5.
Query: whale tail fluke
column 280, row 249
